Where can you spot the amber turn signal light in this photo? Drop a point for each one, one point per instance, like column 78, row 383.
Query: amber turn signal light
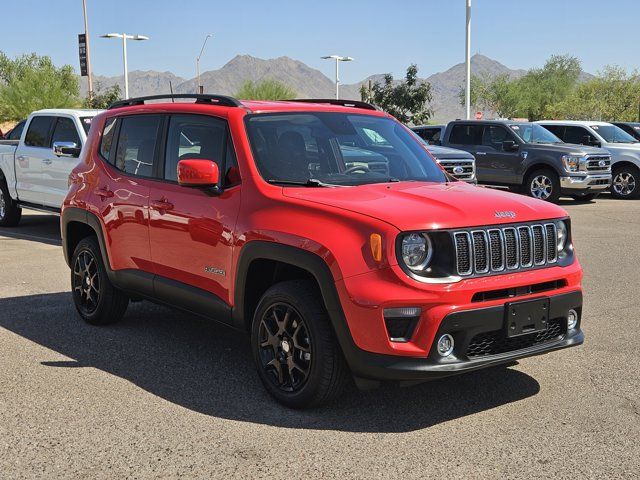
column 375, row 242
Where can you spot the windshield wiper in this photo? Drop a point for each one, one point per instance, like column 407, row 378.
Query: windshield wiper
column 312, row 182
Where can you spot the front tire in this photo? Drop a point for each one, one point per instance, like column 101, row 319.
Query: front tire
column 98, row 302
column 624, row 184
column 543, row 184
column 294, row 348
column 10, row 213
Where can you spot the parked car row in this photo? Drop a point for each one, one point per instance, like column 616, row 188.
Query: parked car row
column 572, row 158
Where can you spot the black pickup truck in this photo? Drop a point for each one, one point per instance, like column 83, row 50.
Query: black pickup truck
column 530, row 159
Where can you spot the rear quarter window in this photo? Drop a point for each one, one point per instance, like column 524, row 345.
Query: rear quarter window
column 108, row 135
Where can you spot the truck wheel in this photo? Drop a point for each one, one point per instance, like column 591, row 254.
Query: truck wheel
column 296, row 353
column 98, row 302
column 625, row 182
column 543, row 184
column 10, row 213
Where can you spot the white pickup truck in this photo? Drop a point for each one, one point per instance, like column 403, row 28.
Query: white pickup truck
column 34, row 170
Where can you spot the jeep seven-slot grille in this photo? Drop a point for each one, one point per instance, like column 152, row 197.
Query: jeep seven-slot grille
column 489, row 250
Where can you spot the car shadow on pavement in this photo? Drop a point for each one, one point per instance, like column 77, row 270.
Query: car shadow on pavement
column 207, row 368
column 41, row 228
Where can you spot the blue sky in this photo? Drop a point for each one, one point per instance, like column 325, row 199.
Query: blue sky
column 383, row 36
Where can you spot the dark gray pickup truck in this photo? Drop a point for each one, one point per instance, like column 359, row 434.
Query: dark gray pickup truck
column 530, row 159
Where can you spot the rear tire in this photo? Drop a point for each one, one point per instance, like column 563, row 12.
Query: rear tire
column 294, row 348
column 625, row 182
column 98, row 302
column 543, row 184
column 10, row 213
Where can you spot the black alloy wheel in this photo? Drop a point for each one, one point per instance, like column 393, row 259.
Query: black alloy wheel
column 86, row 282
column 285, row 347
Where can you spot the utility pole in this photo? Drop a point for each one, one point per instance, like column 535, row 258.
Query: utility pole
column 124, row 38
column 86, row 32
column 467, row 91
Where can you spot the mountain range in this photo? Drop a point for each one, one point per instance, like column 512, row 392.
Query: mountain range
column 306, row 81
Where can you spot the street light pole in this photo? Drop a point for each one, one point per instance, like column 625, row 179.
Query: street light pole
column 124, row 38
column 200, row 88
column 86, row 33
column 338, row 59
column 467, row 91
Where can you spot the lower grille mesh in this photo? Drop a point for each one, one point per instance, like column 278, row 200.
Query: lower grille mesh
column 496, row 342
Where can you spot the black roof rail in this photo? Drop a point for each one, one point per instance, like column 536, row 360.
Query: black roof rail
column 221, row 100
column 336, row 101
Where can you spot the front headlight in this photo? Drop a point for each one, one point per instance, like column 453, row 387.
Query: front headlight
column 417, row 251
column 561, row 237
column 572, row 162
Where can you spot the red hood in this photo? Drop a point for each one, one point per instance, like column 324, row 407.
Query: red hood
column 426, row 206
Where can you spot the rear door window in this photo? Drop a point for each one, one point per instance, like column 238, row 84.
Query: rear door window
column 466, row 135
column 136, row 150
column 16, row 133
column 39, row 131
column 65, row 131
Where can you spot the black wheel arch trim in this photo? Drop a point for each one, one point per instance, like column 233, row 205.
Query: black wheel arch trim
column 152, row 287
column 312, row 263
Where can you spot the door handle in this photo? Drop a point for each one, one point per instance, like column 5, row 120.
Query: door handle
column 21, row 158
column 104, row 193
column 47, row 161
column 161, row 205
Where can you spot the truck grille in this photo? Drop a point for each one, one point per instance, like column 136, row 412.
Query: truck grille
column 488, row 250
column 468, row 168
column 594, row 163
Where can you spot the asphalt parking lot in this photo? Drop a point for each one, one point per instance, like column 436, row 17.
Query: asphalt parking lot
column 164, row 394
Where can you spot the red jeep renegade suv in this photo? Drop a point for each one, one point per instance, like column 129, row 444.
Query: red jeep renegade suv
column 324, row 229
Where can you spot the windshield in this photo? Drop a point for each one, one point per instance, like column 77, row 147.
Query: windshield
column 338, row 149
column 534, row 133
column 613, row 134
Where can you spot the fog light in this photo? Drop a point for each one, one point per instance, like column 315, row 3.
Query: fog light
column 572, row 319
column 445, row 345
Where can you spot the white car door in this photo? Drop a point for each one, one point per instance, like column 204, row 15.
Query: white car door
column 33, row 153
column 65, row 132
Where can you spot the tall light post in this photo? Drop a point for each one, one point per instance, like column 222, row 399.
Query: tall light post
column 200, row 87
column 338, row 59
column 124, row 38
column 467, row 90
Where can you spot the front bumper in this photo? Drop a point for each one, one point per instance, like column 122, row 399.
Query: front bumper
column 586, row 183
column 464, row 326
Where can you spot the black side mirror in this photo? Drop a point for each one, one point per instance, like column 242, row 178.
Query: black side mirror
column 509, row 146
column 589, row 140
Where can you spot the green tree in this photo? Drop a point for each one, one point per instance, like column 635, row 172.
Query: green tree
column 409, row 100
column 31, row 82
column 266, row 89
column 542, row 88
column 102, row 98
column 612, row 95
column 497, row 94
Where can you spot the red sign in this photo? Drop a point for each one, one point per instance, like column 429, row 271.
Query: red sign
column 479, row 115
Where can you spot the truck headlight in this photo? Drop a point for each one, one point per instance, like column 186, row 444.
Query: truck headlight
column 417, row 251
column 572, row 162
